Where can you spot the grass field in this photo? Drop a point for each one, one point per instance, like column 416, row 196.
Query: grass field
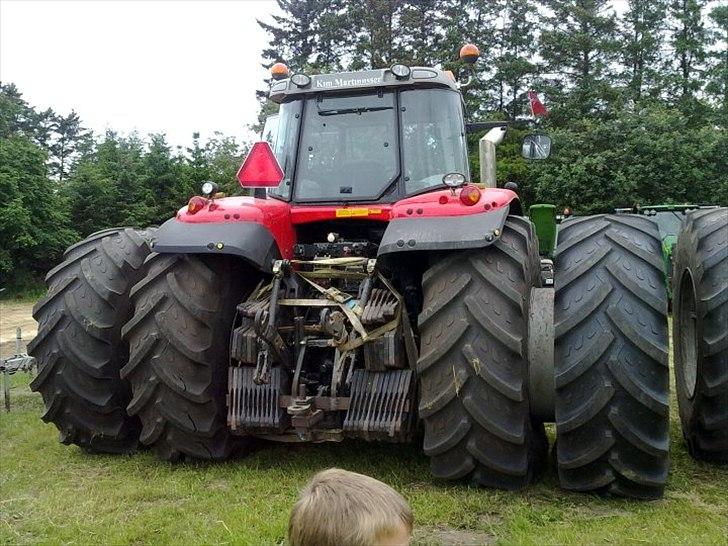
column 53, row 494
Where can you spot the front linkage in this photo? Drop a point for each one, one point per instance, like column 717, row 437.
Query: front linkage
column 323, row 352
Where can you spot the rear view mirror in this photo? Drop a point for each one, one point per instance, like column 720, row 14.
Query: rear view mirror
column 536, row 146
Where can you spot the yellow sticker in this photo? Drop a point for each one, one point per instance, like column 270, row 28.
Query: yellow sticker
column 347, row 213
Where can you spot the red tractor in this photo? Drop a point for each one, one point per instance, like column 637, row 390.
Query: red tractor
column 367, row 290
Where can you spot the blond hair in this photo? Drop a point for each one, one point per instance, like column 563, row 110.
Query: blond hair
column 341, row 508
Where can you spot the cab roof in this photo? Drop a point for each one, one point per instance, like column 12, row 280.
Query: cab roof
column 282, row 90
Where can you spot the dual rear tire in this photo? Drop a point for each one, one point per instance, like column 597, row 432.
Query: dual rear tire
column 473, row 365
column 178, row 340
column 79, row 348
column 131, row 346
column 611, row 357
column 611, row 368
column 700, row 333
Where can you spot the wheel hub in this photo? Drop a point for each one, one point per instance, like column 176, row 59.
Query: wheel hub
column 688, row 342
column 541, row 353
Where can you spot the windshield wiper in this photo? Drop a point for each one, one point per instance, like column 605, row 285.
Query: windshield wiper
column 361, row 110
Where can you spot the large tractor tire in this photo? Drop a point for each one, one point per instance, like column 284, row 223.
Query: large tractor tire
column 700, row 333
column 79, row 347
column 179, row 342
column 473, row 366
column 611, row 366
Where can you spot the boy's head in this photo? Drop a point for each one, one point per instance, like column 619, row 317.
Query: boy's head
column 345, row 508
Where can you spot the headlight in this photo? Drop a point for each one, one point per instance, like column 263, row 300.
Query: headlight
column 300, row 80
column 400, row 71
column 209, row 188
column 453, row 180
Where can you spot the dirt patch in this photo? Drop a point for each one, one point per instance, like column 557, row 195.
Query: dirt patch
column 432, row 536
column 13, row 315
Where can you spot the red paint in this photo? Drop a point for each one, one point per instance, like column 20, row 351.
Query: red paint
column 305, row 214
column 432, row 203
column 281, row 217
column 272, row 213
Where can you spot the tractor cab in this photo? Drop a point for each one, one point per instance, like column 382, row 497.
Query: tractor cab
column 374, row 136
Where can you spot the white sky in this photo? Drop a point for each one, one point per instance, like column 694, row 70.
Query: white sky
column 151, row 66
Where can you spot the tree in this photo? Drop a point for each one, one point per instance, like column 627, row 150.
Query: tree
column 474, row 22
column 197, row 168
column 373, row 25
column 641, row 33
column 34, row 225
column 70, row 139
column 717, row 86
column 224, row 157
column 514, row 66
column 164, row 179
column 645, row 156
column 18, row 118
column 419, row 37
column 578, row 47
column 688, row 39
column 307, row 36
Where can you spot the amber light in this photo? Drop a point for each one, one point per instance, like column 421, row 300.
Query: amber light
column 469, row 53
column 196, row 204
column 279, row 71
column 469, row 195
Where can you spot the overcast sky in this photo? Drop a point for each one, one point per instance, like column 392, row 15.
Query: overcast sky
column 151, row 66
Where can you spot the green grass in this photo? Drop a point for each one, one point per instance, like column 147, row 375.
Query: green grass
column 50, row 493
column 29, row 293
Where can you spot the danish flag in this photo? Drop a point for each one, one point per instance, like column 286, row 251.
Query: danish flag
column 537, row 107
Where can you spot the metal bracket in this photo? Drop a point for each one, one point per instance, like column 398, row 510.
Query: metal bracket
column 21, row 362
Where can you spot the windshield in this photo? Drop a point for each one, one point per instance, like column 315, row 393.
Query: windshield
column 433, row 137
column 348, row 148
column 668, row 222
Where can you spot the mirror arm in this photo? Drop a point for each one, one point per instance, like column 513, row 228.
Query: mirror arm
column 475, row 126
column 467, row 83
column 472, row 76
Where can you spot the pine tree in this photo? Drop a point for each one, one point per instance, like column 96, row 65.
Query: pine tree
column 688, row 39
column 642, row 34
column 70, row 139
column 18, row 118
column 473, row 21
column 34, row 225
column 308, row 36
column 514, row 66
column 419, row 35
column 373, row 23
column 224, row 158
column 717, row 86
column 578, row 46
